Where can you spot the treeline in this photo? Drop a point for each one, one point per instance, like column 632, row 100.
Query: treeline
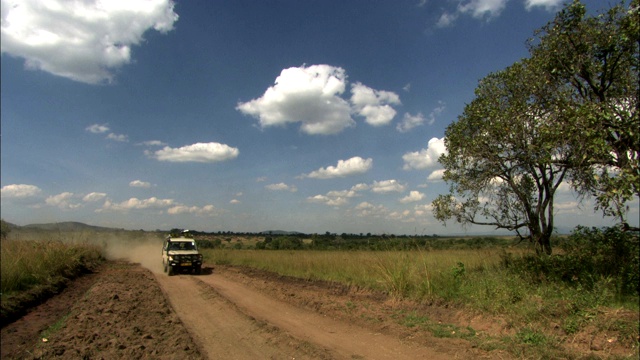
column 360, row 242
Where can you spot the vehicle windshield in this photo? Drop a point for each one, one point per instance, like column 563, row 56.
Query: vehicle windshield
column 182, row 246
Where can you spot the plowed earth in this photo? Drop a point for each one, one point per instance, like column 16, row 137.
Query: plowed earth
column 127, row 311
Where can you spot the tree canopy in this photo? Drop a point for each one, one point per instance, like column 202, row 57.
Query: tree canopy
column 565, row 115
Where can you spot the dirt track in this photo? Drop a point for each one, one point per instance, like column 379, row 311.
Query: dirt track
column 128, row 311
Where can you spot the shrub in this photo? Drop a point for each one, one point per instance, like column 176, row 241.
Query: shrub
column 588, row 255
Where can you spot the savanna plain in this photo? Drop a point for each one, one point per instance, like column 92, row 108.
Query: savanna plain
column 103, row 294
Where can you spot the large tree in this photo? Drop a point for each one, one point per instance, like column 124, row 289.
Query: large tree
column 507, row 156
column 595, row 59
column 566, row 114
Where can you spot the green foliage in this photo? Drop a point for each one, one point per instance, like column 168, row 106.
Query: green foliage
column 568, row 112
column 209, row 244
column 26, row 264
column 589, row 256
column 593, row 62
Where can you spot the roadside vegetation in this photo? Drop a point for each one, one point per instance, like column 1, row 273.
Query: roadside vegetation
column 586, row 292
column 34, row 268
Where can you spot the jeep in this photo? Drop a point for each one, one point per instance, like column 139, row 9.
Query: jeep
column 180, row 254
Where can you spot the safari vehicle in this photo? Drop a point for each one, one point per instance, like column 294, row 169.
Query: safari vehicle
column 181, row 254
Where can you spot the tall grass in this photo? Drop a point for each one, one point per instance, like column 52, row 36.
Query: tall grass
column 411, row 274
column 26, row 263
column 477, row 280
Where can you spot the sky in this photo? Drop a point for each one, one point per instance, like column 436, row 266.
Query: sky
column 246, row 115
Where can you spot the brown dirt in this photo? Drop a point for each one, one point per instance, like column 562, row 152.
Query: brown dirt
column 127, row 311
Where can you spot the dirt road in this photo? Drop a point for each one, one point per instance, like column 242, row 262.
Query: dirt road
column 128, row 311
column 234, row 321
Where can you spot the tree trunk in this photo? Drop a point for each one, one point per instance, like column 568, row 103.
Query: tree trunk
column 543, row 245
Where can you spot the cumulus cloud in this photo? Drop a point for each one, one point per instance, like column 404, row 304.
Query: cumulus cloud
column 337, row 197
column 80, row 40
column 436, row 175
column 412, row 197
column 234, row 201
column 137, row 204
column 140, row 184
column 354, row 166
column 64, row 201
column 387, row 186
column 207, row 210
column 199, row 152
column 410, row 121
column 366, row 209
column 19, row 191
column 373, row 105
column 425, row 158
column 313, row 97
column 281, row 187
column 94, row 196
column 306, row 95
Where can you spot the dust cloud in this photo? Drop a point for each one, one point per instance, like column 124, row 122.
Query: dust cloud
column 147, row 252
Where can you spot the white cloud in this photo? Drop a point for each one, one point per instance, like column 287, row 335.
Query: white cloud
column 153, row 143
column 94, row 196
column 446, row 19
column 412, row 197
column 387, row 186
column 97, row 128
column 436, row 175
column 354, row 166
column 19, row 191
column 373, row 105
column 63, row 201
column 117, row 137
column 135, row 203
column 425, row 158
column 80, row 40
column 199, row 152
column 366, row 209
column 140, row 184
column 483, row 8
column 281, row 187
column 410, row 121
column 336, row 197
column 207, row 210
column 234, row 201
column 328, row 200
column 305, row 95
column 489, row 9
column 549, row 5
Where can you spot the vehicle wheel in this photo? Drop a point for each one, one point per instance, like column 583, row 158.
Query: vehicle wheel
column 198, row 270
column 164, row 267
column 171, row 271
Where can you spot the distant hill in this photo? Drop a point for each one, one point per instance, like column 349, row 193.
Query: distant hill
column 67, row 226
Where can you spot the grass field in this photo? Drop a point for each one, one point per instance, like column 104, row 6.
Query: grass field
column 544, row 313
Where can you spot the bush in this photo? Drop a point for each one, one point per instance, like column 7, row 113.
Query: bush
column 589, row 254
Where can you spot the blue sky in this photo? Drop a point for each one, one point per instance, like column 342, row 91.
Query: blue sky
column 247, row 115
